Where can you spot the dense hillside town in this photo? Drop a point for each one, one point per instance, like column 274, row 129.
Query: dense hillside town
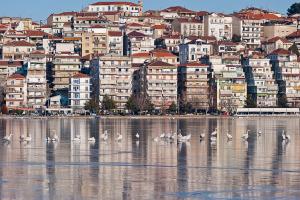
column 118, row 57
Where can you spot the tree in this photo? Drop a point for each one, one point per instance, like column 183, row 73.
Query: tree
column 236, row 38
column 282, row 101
column 294, row 49
column 92, row 106
column 172, row 108
column 294, row 9
column 132, row 104
column 250, row 102
column 108, row 103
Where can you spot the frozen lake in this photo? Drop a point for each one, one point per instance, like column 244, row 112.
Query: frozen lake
column 262, row 168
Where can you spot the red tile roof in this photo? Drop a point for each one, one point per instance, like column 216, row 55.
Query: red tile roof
column 134, row 24
column 275, row 39
column 280, row 52
column 296, row 34
column 161, row 53
column 10, row 63
column 261, row 16
column 80, row 75
column 189, row 20
column 115, row 33
column 159, row 63
column 141, row 54
column 158, row 26
column 134, row 34
column 194, row 64
column 114, row 3
column 16, row 76
column 21, row 43
column 177, row 9
column 66, row 13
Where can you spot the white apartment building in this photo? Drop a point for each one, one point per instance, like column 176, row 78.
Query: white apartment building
column 57, row 21
column 36, row 80
column 127, row 8
column 16, row 93
column 79, row 91
column 218, row 25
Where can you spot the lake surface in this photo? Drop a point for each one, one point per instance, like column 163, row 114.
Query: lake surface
column 262, row 168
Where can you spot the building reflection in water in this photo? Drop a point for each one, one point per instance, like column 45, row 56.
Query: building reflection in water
column 144, row 169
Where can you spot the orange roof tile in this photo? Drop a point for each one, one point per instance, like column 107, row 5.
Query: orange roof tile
column 115, row 33
column 114, row 3
column 21, row 43
column 16, row 76
column 80, row 75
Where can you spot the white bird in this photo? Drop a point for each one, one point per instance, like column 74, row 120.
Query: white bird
column 92, row 139
column 283, row 135
column 185, row 138
column 22, row 137
column 7, row 138
column 213, row 139
column 259, row 133
column 214, row 133
column 28, row 138
column 155, row 139
column 77, row 138
column 55, row 138
column 103, row 135
column 162, row 136
column 137, row 136
column 229, row 137
column 48, row 139
column 119, row 138
column 246, row 135
column 202, row 136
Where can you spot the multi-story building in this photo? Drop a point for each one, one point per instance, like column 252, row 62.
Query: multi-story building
column 36, row 80
column 94, row 41
column 230, row 88
column 79, row 91
column 16, row 96
column 276, row 43
column 161, row 78
column 214, row 25
column 115, row 78
column 115, row 42
column 8, row 67
column 193, row 85
column 137, row 42
column 261, row 85
column 17, row 50
column 194, row 50
column 127, row 8
column 188, row 26
column 57, row 21
column 273, row 29
column 159, row 54
column 286, row 70
column 65, row 66
column 249, row 28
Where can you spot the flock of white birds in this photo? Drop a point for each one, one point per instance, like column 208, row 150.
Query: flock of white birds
column 172, row 137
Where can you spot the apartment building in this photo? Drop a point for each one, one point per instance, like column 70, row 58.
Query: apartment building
column 261, row 85
column 188, row 26
column 286, row 70
column 115, row 78
column 137, row 42
column 36, row 80
column 94, row 41
column 126, row 8
column 276, row 43
column 249, row 28
column 156, row 54
column 65, row 66
column 79, row 91
column 57, row 21
column 218, row 25
column 275, row 29
column 194, row 50
column 8, row 67
column 230, row 87
column 193, row 85
column 16, row 94
column 161, row 78
column 17, row 50
column 115, row 42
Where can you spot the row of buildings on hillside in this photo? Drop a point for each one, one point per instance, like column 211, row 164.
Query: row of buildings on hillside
column 198, row 59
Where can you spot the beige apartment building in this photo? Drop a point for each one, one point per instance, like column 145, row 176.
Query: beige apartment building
column 115, row 78
column 188, row 27
column 193, row 85
column 36, row 80
column 271, row 30
column 17, row 50
column 16, row 94
column 66, row 65
column 161, row 80
column 94, row 41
